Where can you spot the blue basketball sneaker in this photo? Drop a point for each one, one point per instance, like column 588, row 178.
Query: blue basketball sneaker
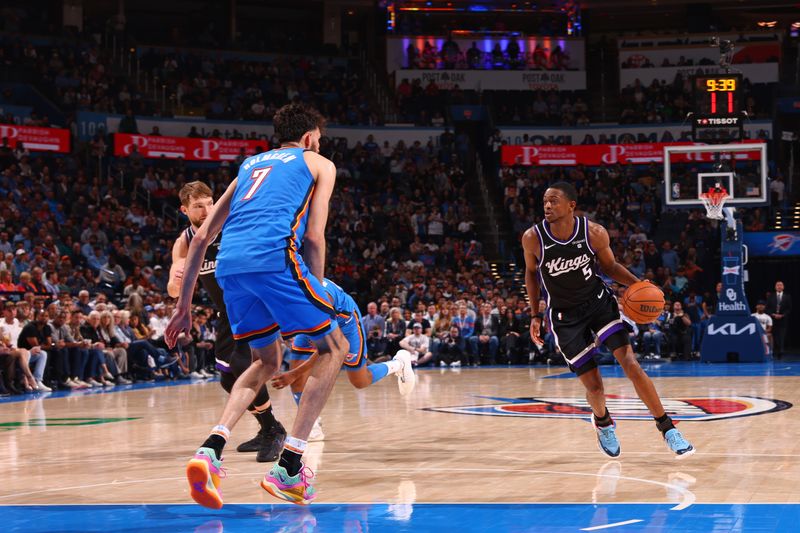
column 607, row 438
column 678, row 444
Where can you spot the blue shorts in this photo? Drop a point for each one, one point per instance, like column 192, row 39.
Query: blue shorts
column 263, row 305
column 353, row 330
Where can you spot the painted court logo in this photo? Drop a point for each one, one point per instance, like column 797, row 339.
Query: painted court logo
column 623, row 408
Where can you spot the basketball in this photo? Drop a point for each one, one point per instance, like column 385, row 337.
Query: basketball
column 643, row 302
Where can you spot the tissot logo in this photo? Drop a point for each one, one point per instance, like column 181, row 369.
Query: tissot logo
column 623, row 408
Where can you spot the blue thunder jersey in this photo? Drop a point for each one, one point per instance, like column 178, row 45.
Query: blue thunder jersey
column 349, row 319
column 268, row 214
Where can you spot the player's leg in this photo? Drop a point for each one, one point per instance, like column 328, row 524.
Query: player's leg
column 361, row 375
column 289, row 479
column 271, row 435
column 252, row 322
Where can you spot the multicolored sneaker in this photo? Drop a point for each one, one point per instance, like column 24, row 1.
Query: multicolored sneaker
column 296, row 489
column 678, row 444
column 204, row 473
column 607, row 438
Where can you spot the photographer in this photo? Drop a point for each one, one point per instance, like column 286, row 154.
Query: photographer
column 450, row 352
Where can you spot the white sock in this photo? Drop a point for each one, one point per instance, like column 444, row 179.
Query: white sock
column 394, row 366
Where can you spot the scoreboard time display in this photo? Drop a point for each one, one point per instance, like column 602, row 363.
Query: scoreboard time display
column 717, row 107
column 717, row 95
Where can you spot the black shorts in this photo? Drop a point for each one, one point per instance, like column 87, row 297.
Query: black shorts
column 226, row 349
column 579, row 330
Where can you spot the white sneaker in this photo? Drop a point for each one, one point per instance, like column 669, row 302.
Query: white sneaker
column 81, row 384
column 92, row 383
column 406, row 379
column 70, row 384
column 316, row 435
column 195, row 375
column 42, row 387
column 108, row 376
column 442, row 364
column 455, row 364
column 205, row 373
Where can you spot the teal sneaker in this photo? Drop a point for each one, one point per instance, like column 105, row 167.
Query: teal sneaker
column 296, row 489
column 678, row 444
column 204, row 473
column 607, row 438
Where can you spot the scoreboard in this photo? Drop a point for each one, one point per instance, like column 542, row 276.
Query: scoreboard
column 718, row 108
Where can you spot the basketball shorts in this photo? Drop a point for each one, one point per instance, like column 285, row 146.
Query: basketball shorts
column 580, row 329
column 263, row 305
column 353, row 330
column 225, row 348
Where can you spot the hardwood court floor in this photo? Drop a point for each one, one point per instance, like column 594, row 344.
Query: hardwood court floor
column 531, row 444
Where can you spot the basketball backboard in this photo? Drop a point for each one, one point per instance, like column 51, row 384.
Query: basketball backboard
column 740, row 169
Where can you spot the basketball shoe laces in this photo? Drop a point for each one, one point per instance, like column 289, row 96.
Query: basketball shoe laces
column 607, row 435
column 676, row 441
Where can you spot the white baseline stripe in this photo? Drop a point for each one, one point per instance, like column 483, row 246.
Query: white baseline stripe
column 607, row 526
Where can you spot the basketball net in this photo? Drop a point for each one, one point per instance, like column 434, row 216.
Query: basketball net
column 714, row 201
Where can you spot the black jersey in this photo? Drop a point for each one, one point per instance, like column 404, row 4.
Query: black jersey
column 568, row 268
column 225, row 343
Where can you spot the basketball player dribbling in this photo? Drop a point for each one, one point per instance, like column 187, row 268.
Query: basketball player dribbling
column 565, row 250
column 232, row 358
column 277, row 203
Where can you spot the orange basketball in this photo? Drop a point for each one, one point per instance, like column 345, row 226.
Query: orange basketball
column 643, row 302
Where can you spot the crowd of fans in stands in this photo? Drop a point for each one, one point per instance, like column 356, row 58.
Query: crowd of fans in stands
column 81, row 76
column 513, row 57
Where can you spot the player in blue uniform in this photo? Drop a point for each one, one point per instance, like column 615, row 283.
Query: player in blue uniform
column 303, row 353
column 277, row 203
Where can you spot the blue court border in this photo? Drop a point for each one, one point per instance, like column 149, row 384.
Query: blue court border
column 383, row 517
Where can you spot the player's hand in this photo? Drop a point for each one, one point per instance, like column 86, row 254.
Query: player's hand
column 283, row 380
column 535, row 332
column 180, row 322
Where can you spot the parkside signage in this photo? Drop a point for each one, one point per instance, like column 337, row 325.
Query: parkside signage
column 604, row 154
column 189, row 149
column 497, row 80
column 36, row 139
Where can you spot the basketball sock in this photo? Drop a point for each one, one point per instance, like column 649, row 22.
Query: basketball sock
column 664, row 423
column 297, row 396
column 216, row 441
column 292, row 455
column 261, row 408
column 603, row 421
column 378, row 371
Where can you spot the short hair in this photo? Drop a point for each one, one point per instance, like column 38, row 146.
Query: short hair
column 292, row 121
column 194, row 189
column 567, row 188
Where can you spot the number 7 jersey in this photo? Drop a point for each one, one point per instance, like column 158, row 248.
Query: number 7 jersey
column 568, row 268
column 268, row 213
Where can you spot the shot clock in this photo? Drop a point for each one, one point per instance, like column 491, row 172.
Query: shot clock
column 717, row 107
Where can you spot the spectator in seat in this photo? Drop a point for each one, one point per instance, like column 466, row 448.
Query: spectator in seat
column 62, row 344
column 34, row 337
column 395, row 330
column 653, row 337
column 465, row 324
column 103, row 363
column 13, row 356
column 158, row 324
column 680, row 331
column 418, row 344
column 450, row 351
column 80, row 363
column 510, row 337
column 115, row 347
column 486, row 343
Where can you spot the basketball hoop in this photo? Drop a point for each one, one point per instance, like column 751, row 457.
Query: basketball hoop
column 714, row 201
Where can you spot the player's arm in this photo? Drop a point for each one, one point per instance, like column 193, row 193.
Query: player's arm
column 601, row 244
column 324, row 171
column 181, row 320
column 179, row 251
column 530, row 246
column 301, row 371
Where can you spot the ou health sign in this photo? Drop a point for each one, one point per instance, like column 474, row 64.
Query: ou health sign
column 36, row 139
column 187, row 148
